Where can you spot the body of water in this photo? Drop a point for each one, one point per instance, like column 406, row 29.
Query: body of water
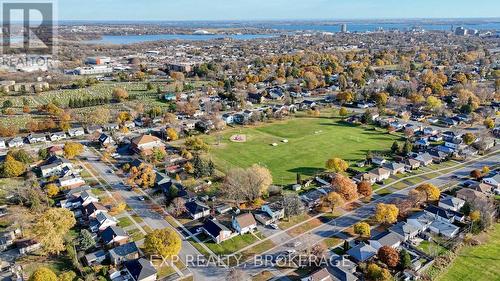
column 290, row 27
column 131, row 39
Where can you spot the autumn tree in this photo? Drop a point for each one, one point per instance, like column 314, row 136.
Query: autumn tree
column 177, row 206
column 365, row 188
column 332, row 200
column 52, row 189
column 72, row 149
column 172, row 134
column 43, row 274
column 246, row 184
column 433, row 103
column 164, row 242
column 376, row 273
column 386, row 213
column 431, row 191
column 343, row 112
column 292, row 205
column 51, row 227
column 389, row 256
column 362, row 229
column 120, row 94
column 337, row 165
column 11, row 167
column 468, row 138
column 345, row 97
column 345, row 187
column 196, row 143
column 489, row 123
column 476, row 174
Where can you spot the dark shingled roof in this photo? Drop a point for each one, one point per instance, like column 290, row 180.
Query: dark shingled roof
column 140, row 269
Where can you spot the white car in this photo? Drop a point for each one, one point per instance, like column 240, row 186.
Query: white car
column 274, row 226
column 140, row 198
column 291, row 251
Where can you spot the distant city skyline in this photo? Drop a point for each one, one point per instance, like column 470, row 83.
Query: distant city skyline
column 214, row 10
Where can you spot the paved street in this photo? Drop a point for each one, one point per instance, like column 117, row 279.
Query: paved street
column 280, row 238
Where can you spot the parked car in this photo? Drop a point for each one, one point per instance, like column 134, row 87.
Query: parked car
column 274, row 226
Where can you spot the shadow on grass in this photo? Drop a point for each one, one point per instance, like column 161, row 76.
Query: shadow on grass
column 308, row 171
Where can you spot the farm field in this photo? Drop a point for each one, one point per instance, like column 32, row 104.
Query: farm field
column 476, row 263
column 311, row 141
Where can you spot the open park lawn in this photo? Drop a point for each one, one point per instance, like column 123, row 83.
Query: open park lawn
column 477, row 263
column 311, row 141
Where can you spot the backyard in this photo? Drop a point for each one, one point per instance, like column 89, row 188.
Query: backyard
column 477, row 263
column 303, row 146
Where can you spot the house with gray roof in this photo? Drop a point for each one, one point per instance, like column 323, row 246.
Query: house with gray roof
column 362, row 252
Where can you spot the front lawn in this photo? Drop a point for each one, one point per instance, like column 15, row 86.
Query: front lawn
column 311, row 141
column 232, row 245
column 124, row 222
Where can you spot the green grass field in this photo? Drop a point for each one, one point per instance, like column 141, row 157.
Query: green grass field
column 477, row 263
column 311, row 141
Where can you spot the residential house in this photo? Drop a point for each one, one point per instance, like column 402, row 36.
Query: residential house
column 217, row 231
column 482, row 187
column 319, row 275
column 405, row 230
column 394, row 168
column 377, row 160
column 2, row 144
column 444, row 228
column 15, row 142
column 425, row 159
column 343, row 269
column 146, row 143
column 451, row 203
column 94, row 208
column 111, row 127
column 7, row 239
column 412, row 164
column 55, row 150
column 197, row 209
column 362, row 252
column 386, row 238
column 27, row 246
column 95, row 258
column 114, row 235
column 105, row 140
column 379, row 174
column 57, row 136
column 445, row 214
column 255, row 98
column 470, row 195
column 244, row 223
column 123, row 253
column 270, row 213
column 54, row 166
column 36, row 138
column 102, row 221
column 421, row 220
column 493, row 181
column 94, row 129
column 76, row 132
column 141, row 270
column 71, row 181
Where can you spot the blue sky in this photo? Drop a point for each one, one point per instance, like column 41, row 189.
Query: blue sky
column 273, row 9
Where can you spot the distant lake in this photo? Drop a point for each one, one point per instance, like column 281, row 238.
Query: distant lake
column 131, row 39
column 366, row 27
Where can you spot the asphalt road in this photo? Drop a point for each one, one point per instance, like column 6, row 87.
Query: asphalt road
column 210, row 271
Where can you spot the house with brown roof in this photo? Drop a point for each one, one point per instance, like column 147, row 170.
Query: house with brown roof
column 244, row 223
column 146, row 143
column 470, row 195
column 320, row 275
column 378, row 175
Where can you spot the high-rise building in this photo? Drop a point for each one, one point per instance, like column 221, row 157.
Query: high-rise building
column 343, row 28
column 460, row 31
